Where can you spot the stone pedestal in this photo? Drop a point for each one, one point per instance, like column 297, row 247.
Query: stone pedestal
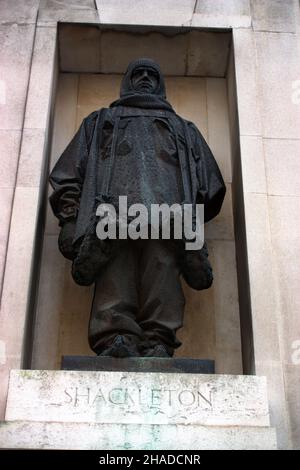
column 136, row 410
column 136, row 364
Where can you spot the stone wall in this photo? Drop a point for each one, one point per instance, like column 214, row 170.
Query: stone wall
column 267, row 70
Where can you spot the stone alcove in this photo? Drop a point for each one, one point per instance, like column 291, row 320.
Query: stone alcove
column 199, row 71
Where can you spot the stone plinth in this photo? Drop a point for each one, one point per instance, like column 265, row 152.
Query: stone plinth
column 137, row 397
column 91, row 436
column 136, row 410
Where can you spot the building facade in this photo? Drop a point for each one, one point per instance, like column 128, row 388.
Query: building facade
column 232, row 67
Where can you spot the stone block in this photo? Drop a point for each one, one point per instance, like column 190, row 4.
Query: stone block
column 188, row 97
column 265, row 308
column 274, row 15
column 16, row 43
column 253, row 164
column 208, row 54
column 198, row 332
column 16, row 283
column 222, row 14
column 120, row 48
column 232, row 107
column 53, row 11
column 137, row 398
column 64, row 126
column 292, row 380
column 93, row 436
column 274, row 372
column 218, row 125
column 247, row 89
column 6, row 197
column 139, row 12
column 32, row 157
column 18, row 266
column 282, row 166
column 9, row 151
column 79, row 48
column 41, row 79
column 284, row 223
column 45, row 349
column 66, row 313
column 228, row 355
column 278, row 69
column 18, row 11
column 95, row 92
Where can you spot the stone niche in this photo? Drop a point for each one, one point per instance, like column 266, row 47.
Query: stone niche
column 198, row 66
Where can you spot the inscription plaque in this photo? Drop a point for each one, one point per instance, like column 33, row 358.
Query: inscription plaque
column 134, row 397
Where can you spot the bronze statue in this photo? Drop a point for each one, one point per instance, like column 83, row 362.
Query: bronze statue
column 139, row 148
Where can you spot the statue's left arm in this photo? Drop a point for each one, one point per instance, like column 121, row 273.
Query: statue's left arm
column 211, row 187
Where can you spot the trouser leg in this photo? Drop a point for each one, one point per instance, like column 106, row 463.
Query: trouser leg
column 115, row 304
column 161, row 296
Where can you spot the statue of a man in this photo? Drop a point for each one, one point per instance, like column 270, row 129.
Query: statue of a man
column 139, row 148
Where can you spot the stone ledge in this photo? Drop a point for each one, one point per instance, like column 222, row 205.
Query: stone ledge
column 137, row 398
column 88, row 436
column 135, row 364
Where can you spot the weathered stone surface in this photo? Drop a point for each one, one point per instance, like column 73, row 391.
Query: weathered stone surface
column 169, row 51
column 247, row 89
column 53, row 11
column 9, row 151
column 222, row 14
column 253, row 164
column 226, row 306
column 278, row 70
column 16, row 43
column 188, row 96
column 292, row 378
column 282, row 166
column 198, row 334
column 196, row 53
column 31, row 157
column 139, row 12
column 82, row 436
column 16, row 282
column 65, row 314
column 137, row 397
column 79, row 48
column 41, row 79
column 265, row 308
column 18, row 11
column 285, row 222
column 277, row 400
column 65, row 113
column 270, row 15
column 218, row 125
column 6, row 196
column 208, row 54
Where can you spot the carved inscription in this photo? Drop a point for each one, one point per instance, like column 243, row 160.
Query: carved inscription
column 131, row 397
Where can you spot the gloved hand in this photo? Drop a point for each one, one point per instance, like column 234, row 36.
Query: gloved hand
column 65, row 240
column 196, row 268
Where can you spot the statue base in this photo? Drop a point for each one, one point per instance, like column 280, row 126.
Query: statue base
column 138, row 364
column 124, row 410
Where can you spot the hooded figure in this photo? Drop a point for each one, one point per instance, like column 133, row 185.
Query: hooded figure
column 139, row 148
